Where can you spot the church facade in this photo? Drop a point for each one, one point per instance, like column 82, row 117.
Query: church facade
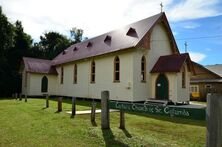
column 134, row 63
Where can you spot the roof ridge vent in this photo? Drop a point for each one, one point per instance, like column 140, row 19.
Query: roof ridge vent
column 64, row 52
column 89, row 44
column 132, row 32
column 107, row 40
column 75, row 49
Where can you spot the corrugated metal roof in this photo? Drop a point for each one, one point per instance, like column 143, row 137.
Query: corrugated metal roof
column 170, row 63
column 217, row 68
column 123, row 38
column 39, row 66
column 200, row 69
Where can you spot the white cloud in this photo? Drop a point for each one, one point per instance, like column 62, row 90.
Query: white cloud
column 193, row 9
column 208, row 49
column 175, row 33
column 191, row 25
column 197, row 57
column 97, row 16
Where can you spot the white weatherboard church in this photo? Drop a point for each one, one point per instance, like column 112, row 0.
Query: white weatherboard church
column 134, row 63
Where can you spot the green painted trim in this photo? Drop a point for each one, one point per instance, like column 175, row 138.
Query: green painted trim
column 171, row 111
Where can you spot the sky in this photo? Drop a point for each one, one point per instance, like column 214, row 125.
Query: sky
column 197, row 22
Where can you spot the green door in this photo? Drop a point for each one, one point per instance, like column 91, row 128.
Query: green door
column 162, row 87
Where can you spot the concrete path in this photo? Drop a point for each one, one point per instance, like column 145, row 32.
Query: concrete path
column 89, row 111
column 194, row 103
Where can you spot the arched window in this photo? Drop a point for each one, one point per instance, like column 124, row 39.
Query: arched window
column 44, row 87
column 116, row 69
column 62, row 74
column 143, row 69
column 183, row 77
column 75, row 74
column 93, row 72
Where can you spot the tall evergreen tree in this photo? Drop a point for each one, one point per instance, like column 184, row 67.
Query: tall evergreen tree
column 22, row 43
column 52, row 43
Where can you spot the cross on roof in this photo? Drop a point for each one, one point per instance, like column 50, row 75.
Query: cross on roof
column 185, row 44
column 161, row 6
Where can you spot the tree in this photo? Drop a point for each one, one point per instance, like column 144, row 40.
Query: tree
column 52, row 43
column 22, row 43
column 14, row 44
column 6, row 34
column 76, row 35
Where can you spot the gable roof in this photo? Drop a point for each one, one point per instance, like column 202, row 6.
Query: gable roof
column 200, row 69
column 129, row 36
column 217, row 69
column 39, row 66
column 171, row 63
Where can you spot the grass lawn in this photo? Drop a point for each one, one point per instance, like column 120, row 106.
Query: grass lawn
column 30, row 124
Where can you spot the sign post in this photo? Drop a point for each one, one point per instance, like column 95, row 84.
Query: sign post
column 122, row 120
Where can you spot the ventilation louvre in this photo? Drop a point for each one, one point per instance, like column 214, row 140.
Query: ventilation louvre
column 75, row 49
column 89, row 44
column 108, row 38
column 64, row 52
column 132, row 32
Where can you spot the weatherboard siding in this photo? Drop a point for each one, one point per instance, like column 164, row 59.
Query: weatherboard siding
column 159, row 46
column 34, row 84
column 142, row 91
column 183, row 94
column 103, row 77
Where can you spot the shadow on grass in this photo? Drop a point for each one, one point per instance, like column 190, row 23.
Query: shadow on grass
column 172, row 119
column 127, row 133
column 58, row 111
column 109, row 139
column 94, row 124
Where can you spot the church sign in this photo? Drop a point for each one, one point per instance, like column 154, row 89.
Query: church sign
column 169, row 110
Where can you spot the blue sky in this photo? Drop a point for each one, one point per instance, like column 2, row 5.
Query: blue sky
column 197, row 22
column 203, row 36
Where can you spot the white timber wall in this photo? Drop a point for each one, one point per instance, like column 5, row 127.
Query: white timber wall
column 159, row 46
column 183, row 94
column 103, row 78
column 34, row 82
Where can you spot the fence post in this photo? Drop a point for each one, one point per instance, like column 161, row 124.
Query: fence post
column 25, row 97
column 59, row 104
column 73, row 107
column 20, row 96
column 122, row 120
column 47, row 100
column 16, row 96
column 214, row 120
column 105, row 110
column 93, row 112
